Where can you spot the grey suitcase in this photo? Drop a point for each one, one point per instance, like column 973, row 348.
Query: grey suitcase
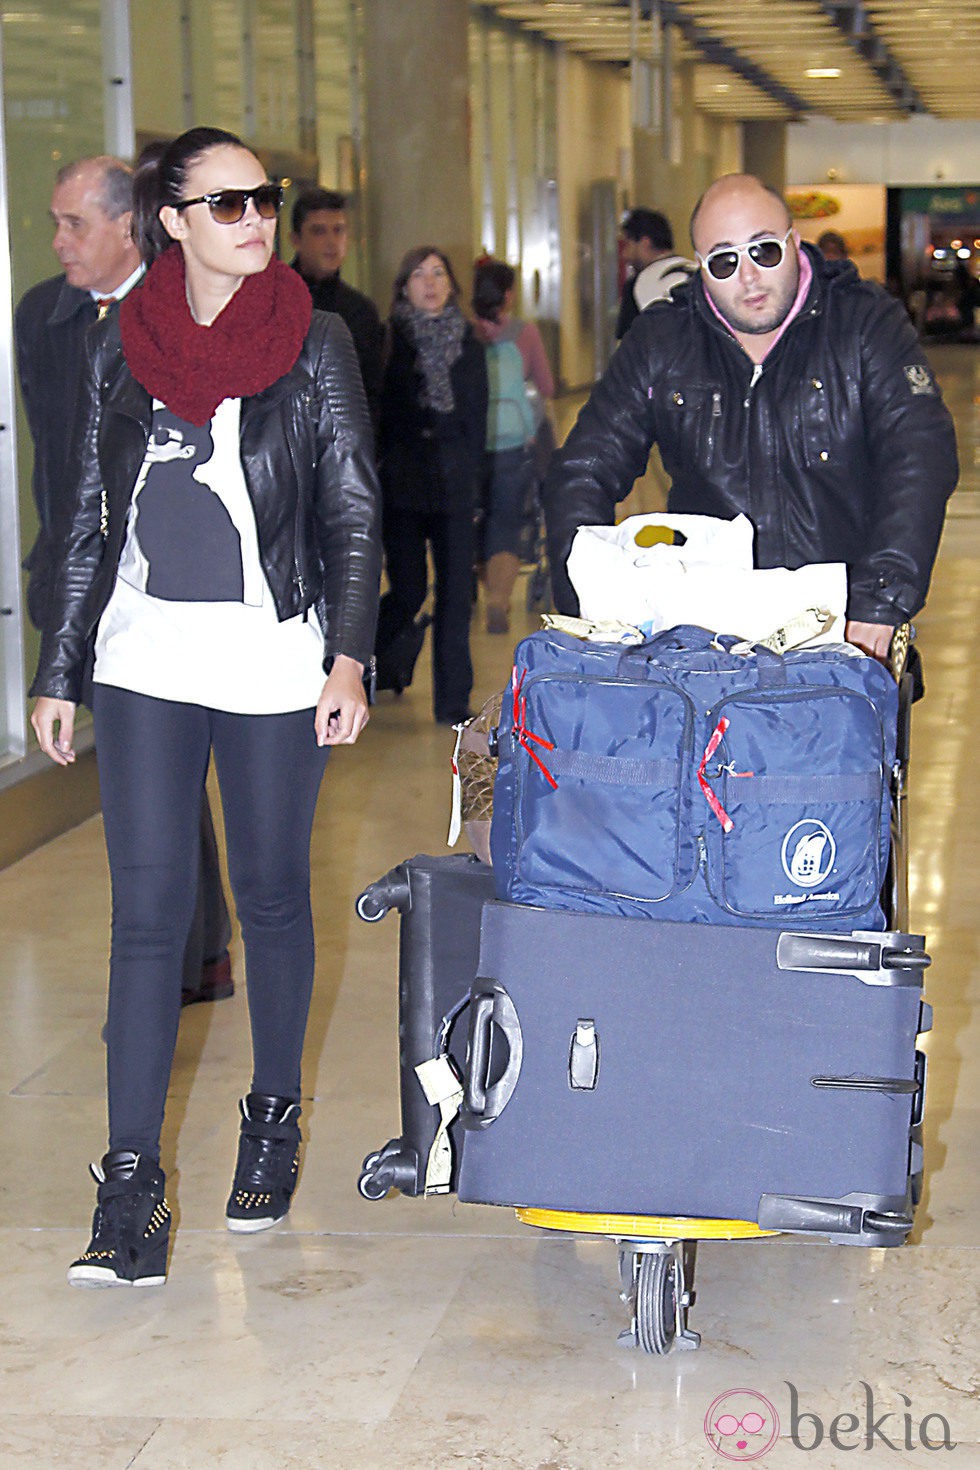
column 439, row 900
column 644, row 1068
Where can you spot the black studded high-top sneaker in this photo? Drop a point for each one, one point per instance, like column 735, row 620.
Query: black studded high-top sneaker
column 268, row 1163
column 130, row 1227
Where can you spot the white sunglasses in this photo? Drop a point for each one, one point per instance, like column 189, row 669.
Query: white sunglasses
column 767, row 252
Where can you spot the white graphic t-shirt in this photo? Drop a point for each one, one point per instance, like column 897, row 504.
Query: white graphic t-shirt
column 191, row 617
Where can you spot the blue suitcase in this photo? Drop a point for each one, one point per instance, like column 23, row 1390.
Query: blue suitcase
column 682, row 780
column 645, row 1068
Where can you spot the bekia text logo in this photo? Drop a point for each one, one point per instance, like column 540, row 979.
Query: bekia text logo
column 741, row 1425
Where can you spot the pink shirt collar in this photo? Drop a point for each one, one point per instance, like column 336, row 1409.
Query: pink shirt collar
column 806, row 276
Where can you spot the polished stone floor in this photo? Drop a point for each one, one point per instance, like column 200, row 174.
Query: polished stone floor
column 428, row 1333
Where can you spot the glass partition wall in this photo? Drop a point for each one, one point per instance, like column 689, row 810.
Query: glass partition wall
column 52, row 67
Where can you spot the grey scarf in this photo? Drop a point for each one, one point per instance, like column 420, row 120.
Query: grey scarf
column 438, row 340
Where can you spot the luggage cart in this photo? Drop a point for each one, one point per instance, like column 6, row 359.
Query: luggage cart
column 657, row 1254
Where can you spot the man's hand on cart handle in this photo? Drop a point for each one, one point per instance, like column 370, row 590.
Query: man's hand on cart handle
column 873, row 638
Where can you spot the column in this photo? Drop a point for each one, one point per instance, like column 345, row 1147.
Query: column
column 764, row 152
column 417, row 135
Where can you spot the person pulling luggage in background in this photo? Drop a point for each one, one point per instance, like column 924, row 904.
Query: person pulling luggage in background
column 516, row 364
column 784, row 387
column 431, row 445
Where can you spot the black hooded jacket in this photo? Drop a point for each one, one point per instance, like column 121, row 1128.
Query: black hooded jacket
column 837, row 448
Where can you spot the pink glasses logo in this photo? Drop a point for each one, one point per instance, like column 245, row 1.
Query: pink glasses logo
column 741, row 1425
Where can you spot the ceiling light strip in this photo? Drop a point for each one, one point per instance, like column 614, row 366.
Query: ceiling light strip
column 856, row 26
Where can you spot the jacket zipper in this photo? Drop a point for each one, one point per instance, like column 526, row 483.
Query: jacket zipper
column 297, row 574
column 712, row 423
column 756, row 375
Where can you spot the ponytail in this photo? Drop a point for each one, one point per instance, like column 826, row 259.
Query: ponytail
column 160, row 178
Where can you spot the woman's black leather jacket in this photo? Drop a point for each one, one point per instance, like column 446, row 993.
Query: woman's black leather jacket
column 308, row 458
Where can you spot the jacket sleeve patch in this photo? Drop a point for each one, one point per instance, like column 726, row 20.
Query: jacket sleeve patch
column 920, row 380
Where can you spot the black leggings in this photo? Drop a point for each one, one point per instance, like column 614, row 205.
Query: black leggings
column 153, row 758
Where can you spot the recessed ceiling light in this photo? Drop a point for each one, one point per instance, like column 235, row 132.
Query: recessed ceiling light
column 822, row 71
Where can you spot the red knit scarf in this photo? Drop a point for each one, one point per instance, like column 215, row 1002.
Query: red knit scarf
column 254, row 340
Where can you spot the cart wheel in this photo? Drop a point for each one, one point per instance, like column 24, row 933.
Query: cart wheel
column 372, row 1186
column 371, row 1161
column 656, row 1302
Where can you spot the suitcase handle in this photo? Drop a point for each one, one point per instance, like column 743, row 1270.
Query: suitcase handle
column 491, row 1011
column 686, row 638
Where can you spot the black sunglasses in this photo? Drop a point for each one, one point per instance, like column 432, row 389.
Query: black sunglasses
column 228, row 206
column 723, row 263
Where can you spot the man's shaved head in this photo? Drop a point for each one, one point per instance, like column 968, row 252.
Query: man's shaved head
column 731, row 188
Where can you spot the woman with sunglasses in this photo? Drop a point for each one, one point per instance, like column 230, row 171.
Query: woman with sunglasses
column 219, row 584
column 431, row 443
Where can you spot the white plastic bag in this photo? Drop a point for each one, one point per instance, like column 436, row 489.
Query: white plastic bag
column 608, row 563
column 708, row 581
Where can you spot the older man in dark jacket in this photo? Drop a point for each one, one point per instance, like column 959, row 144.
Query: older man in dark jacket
column 91, row 207
column 783, row 387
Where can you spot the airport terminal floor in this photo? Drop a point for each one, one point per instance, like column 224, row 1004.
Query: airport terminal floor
column 427, row 1332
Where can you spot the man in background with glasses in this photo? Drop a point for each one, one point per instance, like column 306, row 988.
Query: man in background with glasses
column 91, row 208
column 780, row 386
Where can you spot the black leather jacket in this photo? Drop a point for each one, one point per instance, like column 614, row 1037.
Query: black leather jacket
column 308, row 458
column 839, row 448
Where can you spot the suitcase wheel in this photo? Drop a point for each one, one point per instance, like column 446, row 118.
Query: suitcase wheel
column 396, row 1166
column 373, row 1185
column 369, row 909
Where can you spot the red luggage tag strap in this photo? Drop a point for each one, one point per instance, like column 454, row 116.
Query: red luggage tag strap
column 523, row 734
column 716, row 738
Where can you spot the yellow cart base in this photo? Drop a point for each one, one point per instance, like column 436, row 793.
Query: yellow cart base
column 656, row 1266
column 642, row 1227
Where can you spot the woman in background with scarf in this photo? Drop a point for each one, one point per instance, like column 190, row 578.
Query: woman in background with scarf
column 222, row 573
column 431, row 445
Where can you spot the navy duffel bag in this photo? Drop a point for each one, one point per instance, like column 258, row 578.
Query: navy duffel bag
column 682, row 780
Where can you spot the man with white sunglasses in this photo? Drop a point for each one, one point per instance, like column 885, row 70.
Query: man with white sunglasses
column 781, row 386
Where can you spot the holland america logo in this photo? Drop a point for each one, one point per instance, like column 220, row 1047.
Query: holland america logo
column 809, row 853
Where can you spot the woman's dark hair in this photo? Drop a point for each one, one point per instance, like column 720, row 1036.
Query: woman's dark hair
column 492, row 279
column 411, row 261
column 160, row 177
